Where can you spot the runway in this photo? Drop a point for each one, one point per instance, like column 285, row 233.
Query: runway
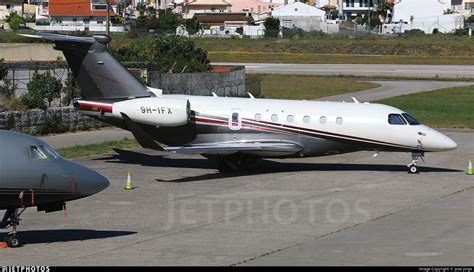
column 350, row 209
column 387, row 70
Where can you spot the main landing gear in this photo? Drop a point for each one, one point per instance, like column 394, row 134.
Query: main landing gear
column 235, row 163
column 412, row 167
column 12, row 219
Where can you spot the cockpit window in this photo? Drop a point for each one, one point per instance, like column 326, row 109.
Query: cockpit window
column 37, row 154
column 42, row 152
column 411, row 120
column 396, row 119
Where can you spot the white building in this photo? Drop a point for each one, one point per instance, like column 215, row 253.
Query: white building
column 7, row 6
column 426, row 15
column 190, row 7
column 306, row 17
column 66, row 15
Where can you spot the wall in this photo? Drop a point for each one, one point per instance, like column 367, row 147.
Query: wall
column 313, row 23
column 29, row 51
column 31, row 121
column 225, row 83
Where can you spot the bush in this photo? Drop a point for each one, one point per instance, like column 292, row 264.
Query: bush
column 414, row 32
column 272, row 27
column 52, row 124
column 8, row 88
column 461, row 32
column 14, row 20
column 293, row 33
column 42, row 88
column 471, row 19
column 3, row 69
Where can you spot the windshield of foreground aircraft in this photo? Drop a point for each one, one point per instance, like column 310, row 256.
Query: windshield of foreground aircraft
column 411, row 120
column 42, row 152
column 396, row 119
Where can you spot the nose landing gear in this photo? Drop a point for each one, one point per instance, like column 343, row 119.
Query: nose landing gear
column 413, row 167
column 12, row 219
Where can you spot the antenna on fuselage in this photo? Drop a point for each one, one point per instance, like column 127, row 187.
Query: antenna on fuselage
column 355, row 100
column 251, row 95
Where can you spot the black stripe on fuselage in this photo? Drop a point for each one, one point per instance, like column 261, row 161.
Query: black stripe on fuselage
column 10, row 197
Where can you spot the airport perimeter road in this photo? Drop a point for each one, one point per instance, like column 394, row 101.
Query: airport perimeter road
column 394, row 70
column 349, row 209
column 394, row 88
column 87, row 137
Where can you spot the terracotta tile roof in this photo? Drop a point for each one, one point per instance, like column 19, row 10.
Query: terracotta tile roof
column 76, row 7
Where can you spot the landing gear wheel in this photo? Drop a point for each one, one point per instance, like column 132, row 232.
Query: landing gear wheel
column 224, row 168
column 413, row 169
column 13, row 242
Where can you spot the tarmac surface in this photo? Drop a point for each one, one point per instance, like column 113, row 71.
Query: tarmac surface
column 351, row 209
column 388, row 70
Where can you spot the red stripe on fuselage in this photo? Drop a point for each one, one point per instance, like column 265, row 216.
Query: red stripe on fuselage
column 97, row 107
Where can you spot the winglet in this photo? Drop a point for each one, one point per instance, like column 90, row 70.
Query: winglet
column 355, row 100
column 251, row 95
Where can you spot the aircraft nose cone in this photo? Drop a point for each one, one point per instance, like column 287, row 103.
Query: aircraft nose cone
column 96, row 182
column 88, row 181
column 450, row 144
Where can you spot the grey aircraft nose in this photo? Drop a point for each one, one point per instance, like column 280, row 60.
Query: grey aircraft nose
column 89, row 182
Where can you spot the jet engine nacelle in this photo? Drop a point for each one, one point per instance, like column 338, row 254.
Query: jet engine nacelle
column 157, row 111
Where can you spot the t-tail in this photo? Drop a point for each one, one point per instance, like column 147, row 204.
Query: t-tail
column 99, row 75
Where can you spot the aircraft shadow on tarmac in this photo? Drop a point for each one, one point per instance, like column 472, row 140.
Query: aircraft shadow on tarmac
column 264, row 166
column 66, row 235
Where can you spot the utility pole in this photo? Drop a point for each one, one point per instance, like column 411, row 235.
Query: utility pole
column 108, row 17
column 369, row 16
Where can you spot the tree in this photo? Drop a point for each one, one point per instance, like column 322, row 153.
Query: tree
column 168, row 21
column 71, row 89
column 272, row 27
column 165, row 54
column 14, row 20
column 192, row 26
column 42, row 88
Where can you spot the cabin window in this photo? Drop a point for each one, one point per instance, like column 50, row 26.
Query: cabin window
column 411, row 120
column 290, row 118
column 274, row 118
column 339, row 120
column 396, row 119
column 322, row 120
column 306, row 119
column 258, row 117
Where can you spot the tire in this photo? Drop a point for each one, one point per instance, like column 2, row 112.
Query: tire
column 13, row 242
column 413, row 169
column 224, row 168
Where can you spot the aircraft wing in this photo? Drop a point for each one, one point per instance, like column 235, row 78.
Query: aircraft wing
column 266, row 148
